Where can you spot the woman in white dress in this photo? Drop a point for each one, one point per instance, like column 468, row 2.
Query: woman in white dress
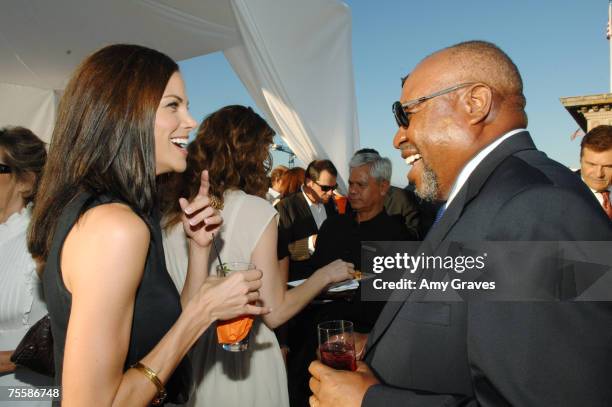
column 233, row 145
column 22, row 157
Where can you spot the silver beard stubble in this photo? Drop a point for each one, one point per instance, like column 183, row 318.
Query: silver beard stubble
column 429, row 184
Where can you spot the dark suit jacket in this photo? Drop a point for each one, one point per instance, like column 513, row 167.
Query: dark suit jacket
column 402, row 203
column 495, row 353
column 297, row 223
column 427, row 211
column 577, row 172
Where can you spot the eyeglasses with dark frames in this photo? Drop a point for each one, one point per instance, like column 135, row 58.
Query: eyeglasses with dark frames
column 326, row 188
column 5, row 169
column 399, row 109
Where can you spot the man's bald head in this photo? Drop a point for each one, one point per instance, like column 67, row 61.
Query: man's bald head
column 481, row 61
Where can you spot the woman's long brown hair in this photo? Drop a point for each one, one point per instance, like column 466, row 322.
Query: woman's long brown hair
column 103, row 140
column 233, row 145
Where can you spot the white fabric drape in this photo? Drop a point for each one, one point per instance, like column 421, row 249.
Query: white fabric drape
column 294, row 57
column 41, row 43
column 29, row 107
column 296, row 62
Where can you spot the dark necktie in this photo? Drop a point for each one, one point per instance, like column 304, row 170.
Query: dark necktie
column 607, row 207
column 440, row 213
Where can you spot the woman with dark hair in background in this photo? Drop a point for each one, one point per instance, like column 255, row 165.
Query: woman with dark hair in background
column 233, row 143
column 22, row 157
column 119, row 333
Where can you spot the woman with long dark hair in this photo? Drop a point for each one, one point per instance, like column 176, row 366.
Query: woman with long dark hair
column 233, row 144
column 119, row 332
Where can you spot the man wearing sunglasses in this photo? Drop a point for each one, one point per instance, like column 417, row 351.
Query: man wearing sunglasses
column 302, row 214
column 300, row 217
column 461, row 124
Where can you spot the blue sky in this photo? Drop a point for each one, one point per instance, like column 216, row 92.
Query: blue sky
column 559, row 46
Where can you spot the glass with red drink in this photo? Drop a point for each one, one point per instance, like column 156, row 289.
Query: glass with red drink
column 337, row 344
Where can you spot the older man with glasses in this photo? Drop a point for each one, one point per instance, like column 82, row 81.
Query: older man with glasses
column 461, row 124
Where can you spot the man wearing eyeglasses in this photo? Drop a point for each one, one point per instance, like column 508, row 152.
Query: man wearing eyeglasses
column 461, row 124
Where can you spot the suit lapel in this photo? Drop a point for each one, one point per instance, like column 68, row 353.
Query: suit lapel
column 473, row 185
column 304, row 210
column 435, row 237
column 330, row 208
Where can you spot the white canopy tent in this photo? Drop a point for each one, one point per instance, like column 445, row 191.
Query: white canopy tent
column 293, row 56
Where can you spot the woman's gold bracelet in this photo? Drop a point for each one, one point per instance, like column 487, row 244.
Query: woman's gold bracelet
column 152, row 376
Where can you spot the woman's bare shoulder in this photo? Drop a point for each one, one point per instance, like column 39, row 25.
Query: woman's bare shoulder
column 109, row 241
column 113, row 221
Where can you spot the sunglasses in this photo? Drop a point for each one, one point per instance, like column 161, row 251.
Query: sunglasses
column 5, row 169
column 326, row 188
column 399, row 109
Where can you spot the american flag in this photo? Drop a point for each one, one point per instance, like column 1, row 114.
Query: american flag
column 576, row 134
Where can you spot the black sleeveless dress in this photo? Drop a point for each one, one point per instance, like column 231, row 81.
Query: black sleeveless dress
column 156, row 308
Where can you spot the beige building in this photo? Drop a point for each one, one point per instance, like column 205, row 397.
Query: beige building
column 591, row 110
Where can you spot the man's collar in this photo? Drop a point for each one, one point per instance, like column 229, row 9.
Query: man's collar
column 273, row 192
column 308, row 201
column 473, row 163
column 609, row 189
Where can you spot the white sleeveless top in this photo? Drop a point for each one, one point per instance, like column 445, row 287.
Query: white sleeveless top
column 253, row 378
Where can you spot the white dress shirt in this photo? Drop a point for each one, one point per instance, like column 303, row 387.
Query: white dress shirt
column 473, row 163
column 318, row 213
column 273, row 193
column 598, row 194
column 317, row 209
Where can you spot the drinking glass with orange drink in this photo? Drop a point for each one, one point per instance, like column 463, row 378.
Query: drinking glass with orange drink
column 233, row 335
column 340, row 203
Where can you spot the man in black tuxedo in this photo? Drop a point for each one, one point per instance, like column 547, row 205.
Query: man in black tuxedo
column 461, row 127
column 302, row 214
column 300, row 217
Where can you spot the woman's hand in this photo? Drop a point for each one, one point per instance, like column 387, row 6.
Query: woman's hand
column 337, row 271
column 200, row 219
column 229, row 297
